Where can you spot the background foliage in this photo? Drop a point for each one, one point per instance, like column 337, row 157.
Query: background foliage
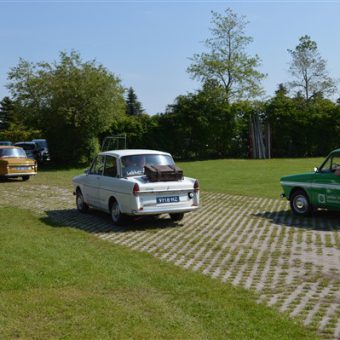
column 75, row 104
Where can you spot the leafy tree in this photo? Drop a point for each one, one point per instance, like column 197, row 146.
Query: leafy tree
column 6, row 112
column 71, row 101
column 308, row 69
column 301, row 129
column 133, row 106
column 12, row 126
column 199, row 124
column 226, row 60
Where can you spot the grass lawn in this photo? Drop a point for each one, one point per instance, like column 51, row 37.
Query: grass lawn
column 59, row 282
column 247, row 177
column 232, row 176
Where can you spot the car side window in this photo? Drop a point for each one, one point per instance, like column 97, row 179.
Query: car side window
column 110, row 168
column 97, row 166
column 331, row 164
column 326, row 167
column 335, row 162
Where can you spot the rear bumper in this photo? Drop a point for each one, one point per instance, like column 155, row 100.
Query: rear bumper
column 163, row 210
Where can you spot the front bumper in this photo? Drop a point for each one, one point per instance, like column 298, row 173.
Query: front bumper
column 19, row 174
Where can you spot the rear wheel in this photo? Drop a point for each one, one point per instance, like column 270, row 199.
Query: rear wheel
column 25, row 178
column 299, row 202
column 177, row 216
column 116, row 215
column 81, row 205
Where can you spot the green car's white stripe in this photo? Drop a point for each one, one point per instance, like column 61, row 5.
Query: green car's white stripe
column 312, row 185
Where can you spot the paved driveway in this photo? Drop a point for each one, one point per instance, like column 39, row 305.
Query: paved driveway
column 293, row 263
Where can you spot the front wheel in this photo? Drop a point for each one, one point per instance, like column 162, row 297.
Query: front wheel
column 299, row 203
column 25, row 178
column 116, row 215
column 81, row 205
column 177, row 217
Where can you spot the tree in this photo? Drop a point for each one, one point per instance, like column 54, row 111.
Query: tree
column 71, row 101
column 309, row 70
column 133, row 106
column 6, row 112
column 226, row 60
column 202, row 123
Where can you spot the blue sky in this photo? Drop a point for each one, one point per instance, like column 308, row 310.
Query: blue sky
column 148, row 43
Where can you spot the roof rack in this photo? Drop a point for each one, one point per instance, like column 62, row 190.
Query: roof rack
column 116, row 142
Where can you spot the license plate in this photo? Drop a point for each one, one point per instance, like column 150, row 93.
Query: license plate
column 171, row 199
column 21, row 168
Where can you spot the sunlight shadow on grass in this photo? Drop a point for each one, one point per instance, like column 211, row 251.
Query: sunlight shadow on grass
column 321, row 220
column 99, row 222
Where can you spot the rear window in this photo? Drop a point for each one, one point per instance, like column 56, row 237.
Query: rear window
column 134, row 165
column 12, row 153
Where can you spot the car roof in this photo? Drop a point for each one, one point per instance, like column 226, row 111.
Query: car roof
column 132, row 152
column 24, row 143
column 9, row 147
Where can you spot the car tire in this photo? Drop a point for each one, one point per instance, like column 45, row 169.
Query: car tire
column 177, row 216
column 25, row 178
column 118, row 218
column 81, row 205
column 299, row 203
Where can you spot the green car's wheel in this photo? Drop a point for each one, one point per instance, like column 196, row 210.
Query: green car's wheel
column 299, row 202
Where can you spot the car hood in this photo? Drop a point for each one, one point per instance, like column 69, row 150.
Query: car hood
column 17, row 160
column 305, row 177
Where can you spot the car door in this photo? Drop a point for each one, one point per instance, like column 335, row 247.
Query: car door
column 109, row 182
column 92, row 183
column 326, row 183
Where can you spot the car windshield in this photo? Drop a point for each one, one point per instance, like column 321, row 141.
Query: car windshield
column 28, row 147
column 12, row 152
column 134, row 165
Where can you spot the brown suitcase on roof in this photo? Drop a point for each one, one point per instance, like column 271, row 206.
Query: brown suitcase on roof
column 159, row 173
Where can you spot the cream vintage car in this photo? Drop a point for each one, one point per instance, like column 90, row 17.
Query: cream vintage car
column 15, row 163
column 116, row 183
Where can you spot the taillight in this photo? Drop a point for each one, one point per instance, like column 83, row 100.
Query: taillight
column 196, row 186
column 135, row 189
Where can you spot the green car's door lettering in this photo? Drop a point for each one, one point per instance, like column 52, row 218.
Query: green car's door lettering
column 328, row 182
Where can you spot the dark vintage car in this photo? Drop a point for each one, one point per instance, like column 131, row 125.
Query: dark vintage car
column 43, row 149
column 32, row 149
column 5, row 143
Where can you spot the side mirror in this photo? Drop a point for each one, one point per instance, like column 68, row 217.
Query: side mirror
column 316, row 169
column 86, row 171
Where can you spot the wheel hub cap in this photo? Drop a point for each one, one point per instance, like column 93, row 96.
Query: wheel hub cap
column 301, row 203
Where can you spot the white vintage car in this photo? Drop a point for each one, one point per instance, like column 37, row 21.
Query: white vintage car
column 116, row 183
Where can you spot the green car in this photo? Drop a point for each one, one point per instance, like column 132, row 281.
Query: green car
column 318, row 189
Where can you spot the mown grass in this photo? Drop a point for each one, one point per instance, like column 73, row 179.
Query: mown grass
column 232, row 176
column 59, row 282
column 247, row 177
